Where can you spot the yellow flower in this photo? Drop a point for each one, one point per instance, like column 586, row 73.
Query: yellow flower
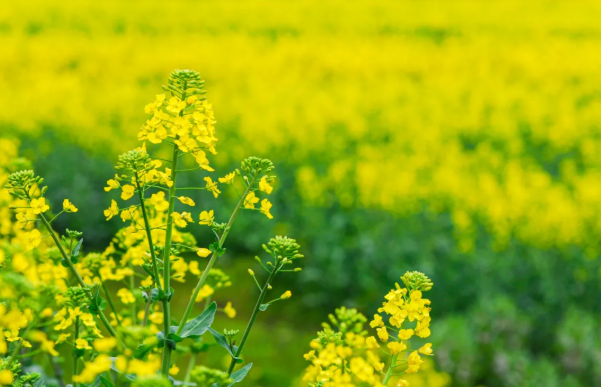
column 413, row 363
column 371, row 343
column 207, row 217
column 174, row 370
column 6, row 377
column 39, row 206
column 181, row 220
column 186, row 200
column 264, row 185
column 100, row 364
column 158, row 201
column 229, row 310
column 426, row 350
column 287, row 294
column 128, row 191
column 212, row 186
column 203, row 252
column 82, row 344
column 104, row 344
column 112, row 184
column 175, row 105
column 227, row 179
column 64, row 324
column 204, row 292
column 402, row 383
column 265, row 207
column 33, row 239
column 62, row 337
column 68, row 206
column 112, row 210
column 250, row 200
column 405, row 334
column 377, row 321
column 396, row 347
column 126, row 296
column 382, row 334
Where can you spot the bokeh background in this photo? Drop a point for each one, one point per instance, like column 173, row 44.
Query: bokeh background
column 458, row 138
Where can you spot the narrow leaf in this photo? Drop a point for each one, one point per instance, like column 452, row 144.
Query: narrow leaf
column 239, row 375
column 198, row 326
column 77, row 248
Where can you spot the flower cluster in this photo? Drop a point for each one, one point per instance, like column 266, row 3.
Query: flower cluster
column 348, row 357
column 112, row 309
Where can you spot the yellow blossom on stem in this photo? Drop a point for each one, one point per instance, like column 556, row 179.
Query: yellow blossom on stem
column 111, row 184
column 33, row 239
column 229, row 310
column 126, row 296
column 158, row 201
column 265, row 207
column 250, row 200
column 82, row 344
column 264, row 185
column 203, row 252
column 128, row 192
column 207, row 217
column 212, row 186
column 39, row 206
column 287, row 294
column 112, row 210
column 186, row 200
column 227, row 179
column 68, row 206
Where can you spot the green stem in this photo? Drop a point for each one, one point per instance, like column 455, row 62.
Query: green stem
column 253, row 317
column 146, row 311
column 390, row 370
column 155, row 267
column 110, row 300
column 75, row 365
column 76, row 273
column 131, row 289
column 167, row 264
column 190, row 367
column 205, row 273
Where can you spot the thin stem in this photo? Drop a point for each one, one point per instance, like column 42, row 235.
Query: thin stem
column 76, row 273
column 110, row 300
column 209, row 266
column 131, row 289
column 390, row 370
column 155, row 267
column 191, row 365
column 253, row 317
column 167, row 264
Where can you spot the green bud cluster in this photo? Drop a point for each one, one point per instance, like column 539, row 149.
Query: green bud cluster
column 204, row 376
column 255, row 165
column 283, row 248
column 151, row 381
column 135, row 161
column 414, row 280
column 20, row 184
column 217, row 279
column 78, row 297
column 186, row 82
column 29, row 379
column 230, row 334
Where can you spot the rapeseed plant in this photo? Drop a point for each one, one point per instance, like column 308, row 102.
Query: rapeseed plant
column 113, row 309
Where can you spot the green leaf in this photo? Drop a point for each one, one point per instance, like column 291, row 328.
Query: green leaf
column 77, row 248
column 216, row 249
column 263, row 307
column 143, row 350
column 221, row 340
column 239, row 375
column 198, row 326
column 106, row 382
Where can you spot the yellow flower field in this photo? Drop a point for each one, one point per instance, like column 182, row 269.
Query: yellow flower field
column 491, row 110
